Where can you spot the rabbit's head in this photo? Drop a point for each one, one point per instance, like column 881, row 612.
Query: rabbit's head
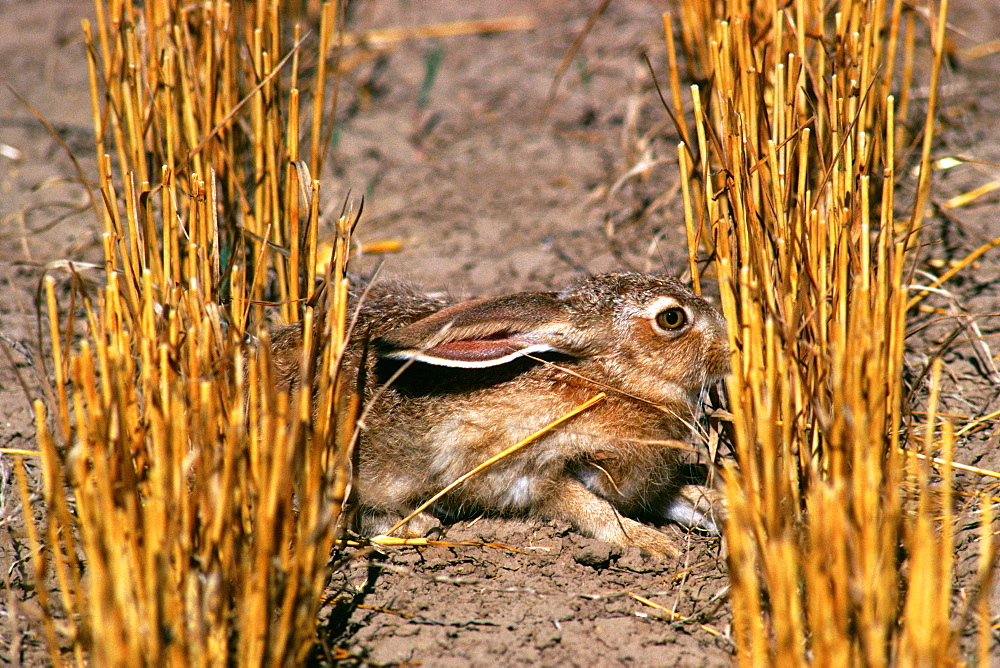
column 645, row 335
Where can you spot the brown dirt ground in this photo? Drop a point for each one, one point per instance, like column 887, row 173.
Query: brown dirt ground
column 488, row 197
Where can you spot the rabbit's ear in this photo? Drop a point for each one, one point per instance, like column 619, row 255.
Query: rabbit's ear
column 482, row 333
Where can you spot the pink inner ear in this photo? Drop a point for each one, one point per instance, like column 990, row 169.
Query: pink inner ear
column 475, row 350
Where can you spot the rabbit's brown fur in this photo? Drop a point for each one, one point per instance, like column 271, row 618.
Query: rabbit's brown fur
column 468, row 392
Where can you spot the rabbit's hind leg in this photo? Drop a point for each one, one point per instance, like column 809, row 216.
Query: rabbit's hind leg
column 377, row 521
column 596, row 517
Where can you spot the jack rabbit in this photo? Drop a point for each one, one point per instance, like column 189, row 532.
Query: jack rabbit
column 477, row 377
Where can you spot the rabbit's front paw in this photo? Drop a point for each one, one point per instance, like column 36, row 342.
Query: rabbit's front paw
column 697, row 507
column 651, row 541
column 596, row 517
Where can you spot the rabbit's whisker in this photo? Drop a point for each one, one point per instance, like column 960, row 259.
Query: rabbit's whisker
column 602, row 385
column 669, row 443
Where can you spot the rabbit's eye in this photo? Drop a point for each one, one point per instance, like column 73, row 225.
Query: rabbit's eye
column 671, row 318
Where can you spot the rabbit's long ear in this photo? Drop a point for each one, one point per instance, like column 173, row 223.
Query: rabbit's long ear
column 482, row 333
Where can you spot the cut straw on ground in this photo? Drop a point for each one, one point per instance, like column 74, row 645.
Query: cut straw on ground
column 385, row 36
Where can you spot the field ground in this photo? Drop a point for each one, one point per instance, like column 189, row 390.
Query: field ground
column 487, row 197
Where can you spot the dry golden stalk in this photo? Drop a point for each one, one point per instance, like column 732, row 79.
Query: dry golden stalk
column 674, row 616
column 385, row 36
column 204, row 504
column 796, row 129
